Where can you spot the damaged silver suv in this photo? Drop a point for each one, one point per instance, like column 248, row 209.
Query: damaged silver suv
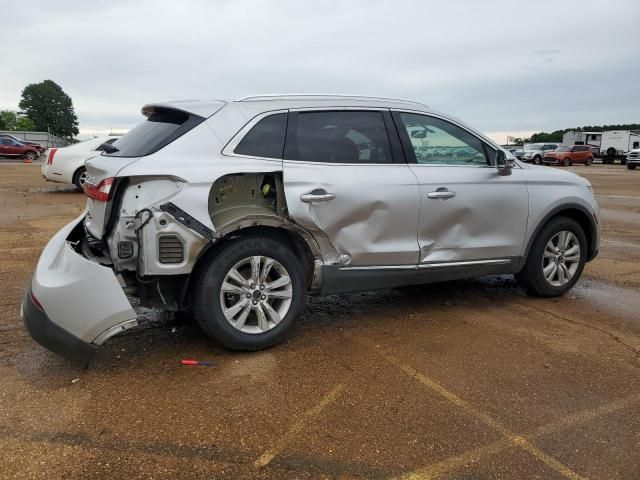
column 235, row 211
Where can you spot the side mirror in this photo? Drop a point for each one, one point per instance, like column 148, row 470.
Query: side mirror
column 504, row 164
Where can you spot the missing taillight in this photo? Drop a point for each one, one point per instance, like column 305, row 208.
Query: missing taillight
column 101, row 191
column 52, row 152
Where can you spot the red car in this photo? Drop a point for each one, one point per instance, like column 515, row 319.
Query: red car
column 11, row 148
column 568, row 155
column 28, row 143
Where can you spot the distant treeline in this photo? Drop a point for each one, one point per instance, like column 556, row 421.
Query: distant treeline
column 557, row 135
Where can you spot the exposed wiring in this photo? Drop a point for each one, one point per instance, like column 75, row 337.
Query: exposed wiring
column 137, row 232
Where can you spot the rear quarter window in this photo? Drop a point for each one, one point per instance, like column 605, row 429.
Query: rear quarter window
column 162, row 126
column 265, row 139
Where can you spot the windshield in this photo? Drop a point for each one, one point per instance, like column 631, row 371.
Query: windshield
column 533, row 146
column 563, row 149
column 162, row 126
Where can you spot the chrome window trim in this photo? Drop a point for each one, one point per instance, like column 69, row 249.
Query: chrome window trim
column 421, row 266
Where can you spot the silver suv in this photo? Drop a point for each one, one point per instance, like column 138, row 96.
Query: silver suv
column 235, row 211
column 535, row 152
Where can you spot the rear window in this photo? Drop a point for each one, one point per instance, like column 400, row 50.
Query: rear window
column 161, row 127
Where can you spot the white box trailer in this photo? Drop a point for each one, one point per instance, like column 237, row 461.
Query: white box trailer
column 618, row 143
column 576, row 137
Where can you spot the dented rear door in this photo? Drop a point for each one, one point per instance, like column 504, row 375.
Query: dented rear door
column 342, row 179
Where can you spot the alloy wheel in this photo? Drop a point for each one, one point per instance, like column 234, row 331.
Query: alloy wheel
column 256, row 294
column 561, row 258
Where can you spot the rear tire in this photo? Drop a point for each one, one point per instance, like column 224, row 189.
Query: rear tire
column 537, row 160
column 552, row 268
column 79, row 178
column 219, row 292
column 589, row 162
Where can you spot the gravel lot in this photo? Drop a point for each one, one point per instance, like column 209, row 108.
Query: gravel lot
column 465, row 380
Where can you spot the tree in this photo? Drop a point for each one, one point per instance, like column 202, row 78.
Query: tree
column 8, row 120
column 25, row 124
column 47, row 105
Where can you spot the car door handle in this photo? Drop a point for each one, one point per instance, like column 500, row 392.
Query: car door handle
column 317, row 196
column 441, row 193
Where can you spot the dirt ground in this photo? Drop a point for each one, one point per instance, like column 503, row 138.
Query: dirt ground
column 465, row 380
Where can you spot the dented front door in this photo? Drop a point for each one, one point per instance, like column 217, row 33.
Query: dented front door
column 470, row 213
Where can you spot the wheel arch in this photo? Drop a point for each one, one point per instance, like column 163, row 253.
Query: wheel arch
column 76, row 172
column 294, row 239
column 576, row 212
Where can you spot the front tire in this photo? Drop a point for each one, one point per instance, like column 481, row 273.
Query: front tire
column 566, row 162
column 31, row 156
column 556, row 259
column 250, row 293
column 537, row 160
column 631, row 167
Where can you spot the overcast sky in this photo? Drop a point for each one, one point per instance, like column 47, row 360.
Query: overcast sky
column 502, row 66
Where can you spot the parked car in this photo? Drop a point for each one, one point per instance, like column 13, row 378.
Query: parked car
column 236, row 211
column 66, row 165
column 28, row 143
column 568, row 155
column 534, row 152
column 633, row 159
column 12, row 148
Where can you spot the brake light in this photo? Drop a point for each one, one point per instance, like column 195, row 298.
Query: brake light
column 52, row 152
column 101, row 191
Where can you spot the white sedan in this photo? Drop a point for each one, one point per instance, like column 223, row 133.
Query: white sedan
column 66, row 165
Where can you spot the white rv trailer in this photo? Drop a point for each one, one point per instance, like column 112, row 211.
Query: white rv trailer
column 576, row 137
column 618, row 143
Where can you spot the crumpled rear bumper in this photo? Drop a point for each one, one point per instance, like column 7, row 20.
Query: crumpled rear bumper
column 74, row 304
column 52, row 337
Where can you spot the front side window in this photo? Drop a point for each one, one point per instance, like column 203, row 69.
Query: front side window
column 265, row 139
column 162, row 126
column 338, row 137
column 438, row 142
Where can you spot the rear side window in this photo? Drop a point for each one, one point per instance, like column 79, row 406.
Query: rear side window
column 265, row 139
column 163, row 126
column 338, row 137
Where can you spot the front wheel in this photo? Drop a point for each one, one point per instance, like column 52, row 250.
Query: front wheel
column 556, row 259
column 31, row 156
column 250, row 293
column 631, row 167
column 566, row 162
column 537, row 160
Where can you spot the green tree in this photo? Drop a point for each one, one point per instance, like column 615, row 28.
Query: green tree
column 47, row 105
column 8, row 120
column 25, row 124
